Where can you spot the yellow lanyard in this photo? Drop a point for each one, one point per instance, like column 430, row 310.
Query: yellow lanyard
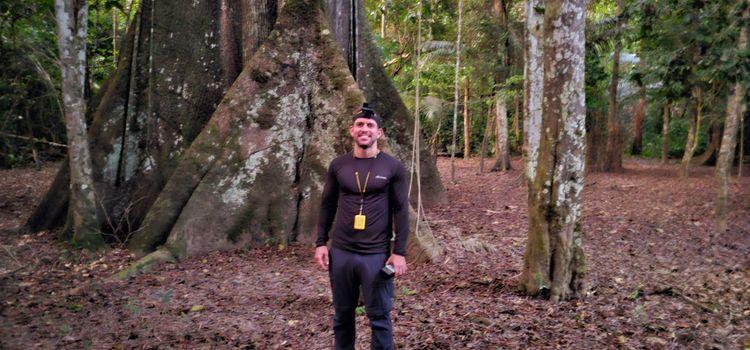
column 361, row 189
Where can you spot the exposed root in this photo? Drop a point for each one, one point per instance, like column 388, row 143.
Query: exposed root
column 145, row 264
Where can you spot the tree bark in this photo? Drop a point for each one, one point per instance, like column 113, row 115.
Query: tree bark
column 502, row 146
column 594, row 141
column 502, row 163
column 467, row 121
column 693, row 134
column 485, row 136
column 554, row 262
column 741, row 146
column 664, row 131
column 72, row 24
column 516, row 123
column 735, row 108
column 533, row 85
column 613, row 155
column 153, row 106
column 455, row 90
column 640, row 112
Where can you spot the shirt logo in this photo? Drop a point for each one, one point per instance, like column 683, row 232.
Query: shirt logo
column 381, row 177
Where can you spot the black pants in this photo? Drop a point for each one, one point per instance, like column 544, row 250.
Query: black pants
column 348, row 271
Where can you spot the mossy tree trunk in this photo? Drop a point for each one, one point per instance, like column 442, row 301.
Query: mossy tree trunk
column 169, row 79
column 215, row 131
column 554, row 262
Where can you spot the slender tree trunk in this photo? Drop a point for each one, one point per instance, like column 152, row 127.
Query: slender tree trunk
column 485, row 136
column 613, row 154
column 664, row 132
column 382, row 23
column 516, row 123
column 72, row 22
column 693, row 135
column 501, row 134
column 114, row 36
column 455, row 95
column 554, row 261
column 640, row 112
column 533, row 85
column 467, row 121
column 742, row 144
column 436, row 134
column 735, row 108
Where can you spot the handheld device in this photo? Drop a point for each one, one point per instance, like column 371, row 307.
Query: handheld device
column 388, row 270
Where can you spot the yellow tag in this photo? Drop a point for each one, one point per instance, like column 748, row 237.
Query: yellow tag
column 359, row 222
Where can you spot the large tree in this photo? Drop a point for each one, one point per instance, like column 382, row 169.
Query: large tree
column 735, row 108
column 554, row 261
column 216, row 129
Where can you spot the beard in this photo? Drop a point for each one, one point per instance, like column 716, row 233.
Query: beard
column 366, row 145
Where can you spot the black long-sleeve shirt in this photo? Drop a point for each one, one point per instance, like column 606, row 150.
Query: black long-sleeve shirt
column 385, row 203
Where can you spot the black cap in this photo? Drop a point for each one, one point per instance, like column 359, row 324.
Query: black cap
column 367, row 112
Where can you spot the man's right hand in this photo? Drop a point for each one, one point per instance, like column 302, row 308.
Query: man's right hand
column 321, row 257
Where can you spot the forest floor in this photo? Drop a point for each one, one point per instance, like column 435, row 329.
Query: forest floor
column 659, row 278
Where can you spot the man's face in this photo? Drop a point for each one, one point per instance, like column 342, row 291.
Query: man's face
column 365, row 132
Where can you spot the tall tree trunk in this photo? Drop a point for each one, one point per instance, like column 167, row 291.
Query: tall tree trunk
column 154, row 105
column 516, row 123
column 455, row 88
column 596, row 141
column 72, row 25
column 533, row 88
column 114, row 36
column 382, row 22
column 665, row 132
column 640, row 112
column 500, row 10
column 735, row 108
column 613, row 154
column 693, row 134
column 502, row 149
column 485, row 136
column 741, row 147
column 267, row 188
column 200, row 160
column 467, row 121
column 554, row 261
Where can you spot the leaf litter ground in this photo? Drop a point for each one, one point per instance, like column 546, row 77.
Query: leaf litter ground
column 659, row 278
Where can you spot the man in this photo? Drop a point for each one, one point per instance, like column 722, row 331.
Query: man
column 366, row 191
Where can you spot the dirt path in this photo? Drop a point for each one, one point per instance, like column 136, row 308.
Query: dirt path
column 658, row 278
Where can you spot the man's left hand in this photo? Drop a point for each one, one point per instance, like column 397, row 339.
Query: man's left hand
column 398, row 262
